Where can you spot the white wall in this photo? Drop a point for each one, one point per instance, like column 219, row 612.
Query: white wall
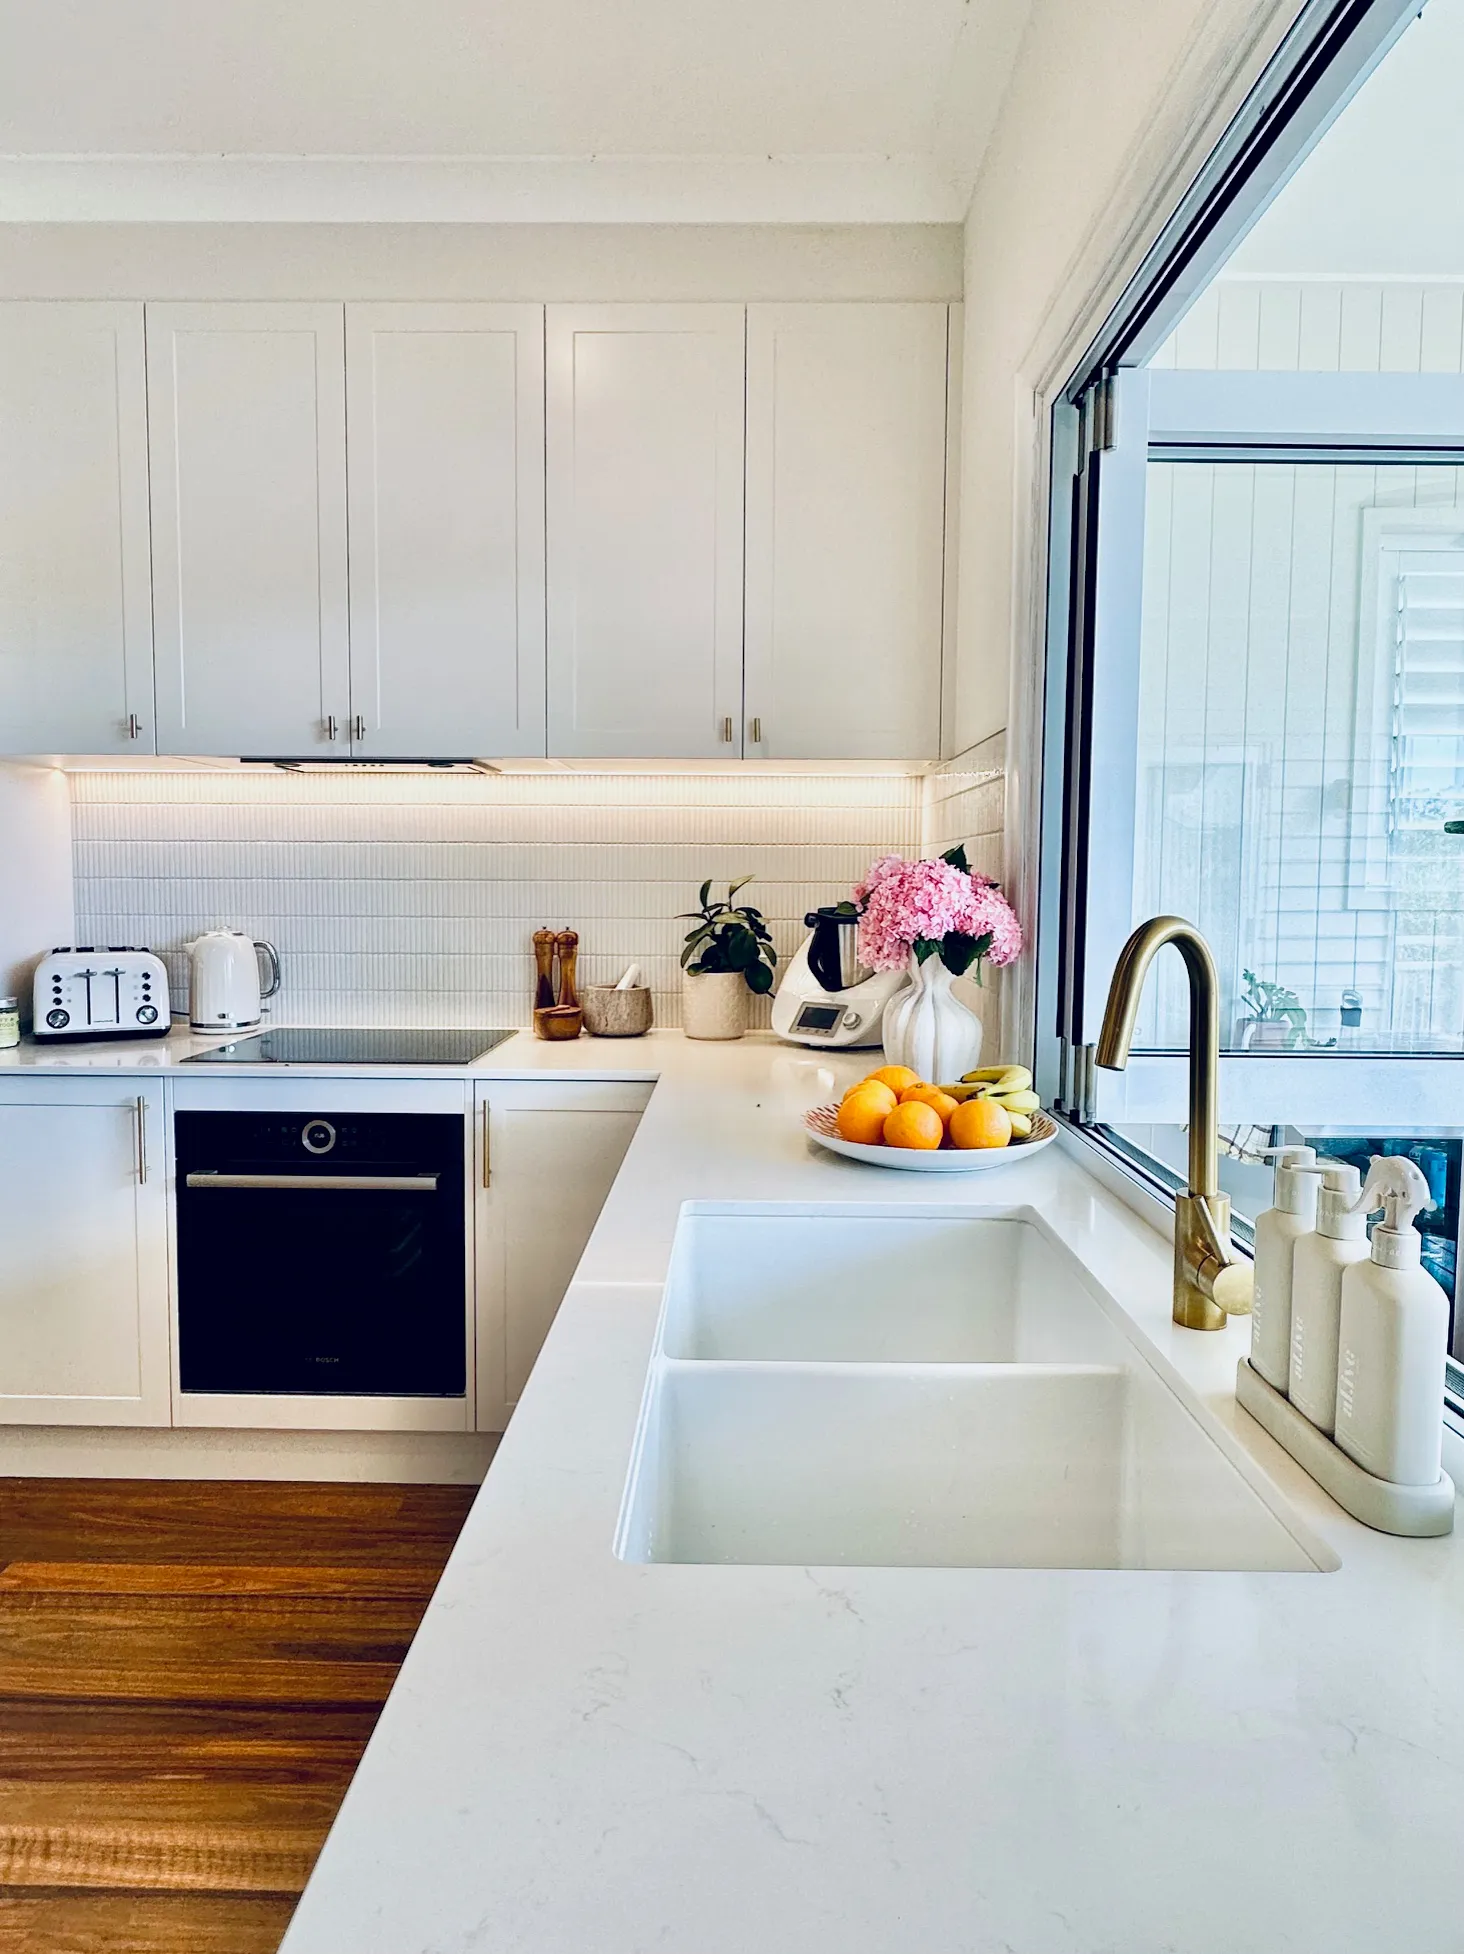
column 35, row 873
column 609, row 262
column 1109, row 111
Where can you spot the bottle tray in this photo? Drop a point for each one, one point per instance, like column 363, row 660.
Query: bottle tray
column 1417, row 1511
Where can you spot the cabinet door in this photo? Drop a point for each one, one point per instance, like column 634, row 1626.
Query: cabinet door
column 846, row 476
column 547, row 1155
column 83, row 1256
column 247, row 433
column 644, row 495
column 445, row 411
column 75, row 596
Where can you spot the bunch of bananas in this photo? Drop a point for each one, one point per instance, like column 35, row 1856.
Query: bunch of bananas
column 1009, row 1085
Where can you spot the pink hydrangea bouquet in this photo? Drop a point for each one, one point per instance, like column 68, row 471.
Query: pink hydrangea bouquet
column 934, row 908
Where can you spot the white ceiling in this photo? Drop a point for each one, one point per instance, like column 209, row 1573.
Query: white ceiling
column 873, row 108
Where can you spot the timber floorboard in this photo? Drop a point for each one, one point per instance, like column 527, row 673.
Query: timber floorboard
column 189, row 1672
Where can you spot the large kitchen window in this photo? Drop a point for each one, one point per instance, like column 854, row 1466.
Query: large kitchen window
column 1257, row 689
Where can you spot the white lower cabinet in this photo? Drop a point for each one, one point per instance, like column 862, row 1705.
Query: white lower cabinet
column 83, row 1254
column 546, row 1158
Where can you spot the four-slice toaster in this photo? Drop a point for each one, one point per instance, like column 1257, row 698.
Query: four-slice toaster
column 95, row 991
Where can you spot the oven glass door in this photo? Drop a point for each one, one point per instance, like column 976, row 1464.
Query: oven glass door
column 340, row 1272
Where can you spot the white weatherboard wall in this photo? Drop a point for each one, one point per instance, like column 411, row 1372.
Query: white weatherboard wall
column 1255, row 636
column 411, row 898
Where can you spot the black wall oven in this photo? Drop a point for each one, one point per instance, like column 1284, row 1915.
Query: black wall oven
column 322, row 1253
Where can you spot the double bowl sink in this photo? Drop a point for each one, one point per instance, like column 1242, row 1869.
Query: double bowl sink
column 852, row 1387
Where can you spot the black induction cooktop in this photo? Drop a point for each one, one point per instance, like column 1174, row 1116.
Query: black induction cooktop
column 348, row 1045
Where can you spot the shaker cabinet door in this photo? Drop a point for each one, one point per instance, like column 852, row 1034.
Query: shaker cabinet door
column 445, row 415
column 645, row 455
column 247, row 435
column 846, row 488
column 83, row 1255
column 75, row 599
column 547, row 1155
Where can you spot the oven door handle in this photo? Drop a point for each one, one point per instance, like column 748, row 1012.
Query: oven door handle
column 322, row 1183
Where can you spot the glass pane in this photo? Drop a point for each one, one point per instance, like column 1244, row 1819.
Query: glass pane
column 1247, row 1177
column 1301, row 748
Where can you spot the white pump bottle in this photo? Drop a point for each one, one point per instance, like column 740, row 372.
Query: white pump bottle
column 1394, row 1335
column 1277, row 1232
column 1321, row 1261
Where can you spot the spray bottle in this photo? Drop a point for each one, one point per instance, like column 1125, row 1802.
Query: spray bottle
column 1393, row 1338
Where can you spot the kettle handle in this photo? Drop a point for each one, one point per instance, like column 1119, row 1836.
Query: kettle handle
column 272, row 959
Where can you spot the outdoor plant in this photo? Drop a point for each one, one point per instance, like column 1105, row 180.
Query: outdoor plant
column 935, row 908
column 729, row 936
column 1273, row 1004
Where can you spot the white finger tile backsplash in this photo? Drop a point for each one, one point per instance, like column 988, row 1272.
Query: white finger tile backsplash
column 413, row 897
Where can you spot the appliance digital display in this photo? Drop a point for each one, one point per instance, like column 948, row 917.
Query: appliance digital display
column 818, row 1017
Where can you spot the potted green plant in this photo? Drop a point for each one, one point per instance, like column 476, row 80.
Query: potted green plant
column 726, row 955
column 1274, row 1020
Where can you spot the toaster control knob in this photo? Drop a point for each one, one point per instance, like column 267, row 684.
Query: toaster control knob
column 57, row 1020
column 147, row 1014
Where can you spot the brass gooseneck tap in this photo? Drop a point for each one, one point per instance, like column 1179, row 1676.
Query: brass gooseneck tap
column 1211, row 1283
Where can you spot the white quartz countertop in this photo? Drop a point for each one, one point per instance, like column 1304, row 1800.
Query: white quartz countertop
column 586, row 1756
column 520, row 1056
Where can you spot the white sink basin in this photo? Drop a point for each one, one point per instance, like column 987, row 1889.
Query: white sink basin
column 790, row 1284
column 861, row 1389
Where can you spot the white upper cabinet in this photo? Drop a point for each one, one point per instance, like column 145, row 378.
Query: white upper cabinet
column 246, row 425
column 846, row 483
column 75, row 602
column 644, row 496
column 445, row 411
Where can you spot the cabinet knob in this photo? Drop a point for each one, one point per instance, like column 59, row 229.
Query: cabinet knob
column 727, row 729
column 358, row 727
column 134, row 726
column 331, row 728
column 754, row 731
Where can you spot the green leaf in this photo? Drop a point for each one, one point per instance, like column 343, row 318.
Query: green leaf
column 733, row 887
column 925, row 947
column 704, row 892
column 957, row 858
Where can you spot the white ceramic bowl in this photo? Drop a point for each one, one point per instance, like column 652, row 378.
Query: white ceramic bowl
column 935, row 1160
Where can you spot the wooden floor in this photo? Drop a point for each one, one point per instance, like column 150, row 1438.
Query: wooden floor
column 189, row 1672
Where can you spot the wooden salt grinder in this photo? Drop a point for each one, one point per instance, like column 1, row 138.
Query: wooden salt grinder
column 544, row 942
column 567, row 943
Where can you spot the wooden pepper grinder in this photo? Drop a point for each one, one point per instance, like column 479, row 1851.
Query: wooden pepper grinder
column 544, row 942
column 567, row 944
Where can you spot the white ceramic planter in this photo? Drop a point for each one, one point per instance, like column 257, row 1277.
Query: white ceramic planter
column 713, row 1003
column 929, row 1029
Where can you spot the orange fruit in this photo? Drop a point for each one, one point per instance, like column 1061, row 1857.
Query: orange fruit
column 896, row 1077
column 930, row 1096
column 914, row 1124
column 862, row 1117
column 980, row 1123
column 879, row 1091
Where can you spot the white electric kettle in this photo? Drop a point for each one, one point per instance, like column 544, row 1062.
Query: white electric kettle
column 226, row 987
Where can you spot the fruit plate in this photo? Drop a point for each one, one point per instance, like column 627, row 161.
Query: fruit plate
column 822, row 1126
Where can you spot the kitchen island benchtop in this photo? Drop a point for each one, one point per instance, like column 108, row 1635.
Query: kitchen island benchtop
column 588, row 1756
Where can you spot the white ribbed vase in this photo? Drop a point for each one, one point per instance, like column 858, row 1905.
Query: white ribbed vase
column 928, row 1028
